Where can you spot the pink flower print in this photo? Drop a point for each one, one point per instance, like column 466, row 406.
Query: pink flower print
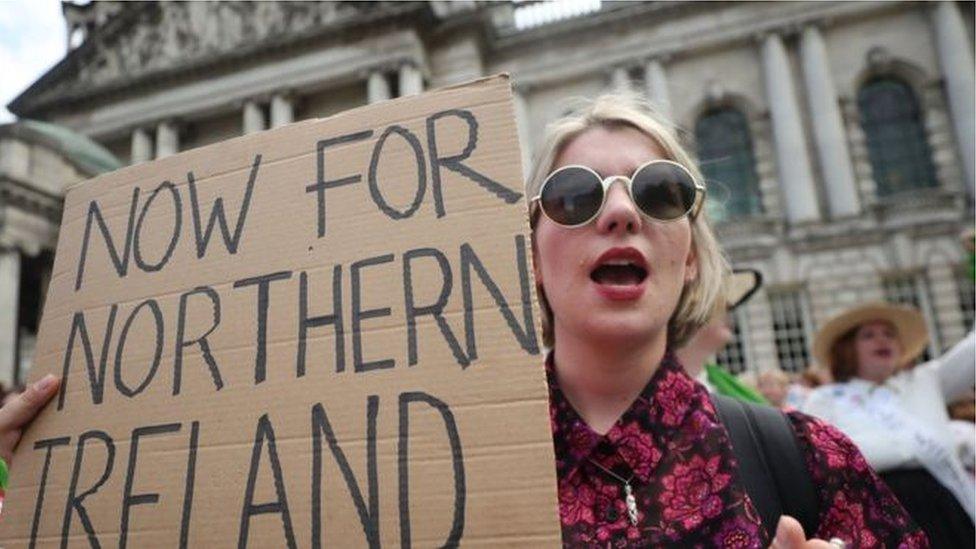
column 674, row 394
column 637, row 447
column 914, row 540
column 576, row 503
column 580, row 440
column 691, row 491
column 847, row 518
column 836, row 447
column 739, row 533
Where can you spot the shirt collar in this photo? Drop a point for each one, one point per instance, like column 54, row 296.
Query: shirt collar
column 638, row 435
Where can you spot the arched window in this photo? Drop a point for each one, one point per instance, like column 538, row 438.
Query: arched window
column 725, row 154
column 900, row 155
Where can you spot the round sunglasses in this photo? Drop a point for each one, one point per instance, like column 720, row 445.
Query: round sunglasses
column 662, row 190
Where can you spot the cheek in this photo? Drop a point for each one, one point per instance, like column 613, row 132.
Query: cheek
column 550, row 253
column 674, row 244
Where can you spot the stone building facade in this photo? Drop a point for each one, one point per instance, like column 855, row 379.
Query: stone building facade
column 838, row 137
column 37, row 162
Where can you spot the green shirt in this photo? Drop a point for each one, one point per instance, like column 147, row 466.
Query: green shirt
column 727, row 384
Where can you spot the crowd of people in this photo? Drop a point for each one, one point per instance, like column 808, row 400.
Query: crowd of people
column 912, row 422
column 635, row 294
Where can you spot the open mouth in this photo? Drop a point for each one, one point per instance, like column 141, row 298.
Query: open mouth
column 884, row 353
column 619, row 273
column 620, row 267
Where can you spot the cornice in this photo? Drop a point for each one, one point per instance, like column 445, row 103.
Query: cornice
column 791, row 18
column 35, row 99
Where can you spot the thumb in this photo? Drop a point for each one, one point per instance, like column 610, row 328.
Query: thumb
column 789, row 534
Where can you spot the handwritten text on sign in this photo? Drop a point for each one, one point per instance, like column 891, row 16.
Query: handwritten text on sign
column 319, row 334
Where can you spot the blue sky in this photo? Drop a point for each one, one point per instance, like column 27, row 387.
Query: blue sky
column 32, row 40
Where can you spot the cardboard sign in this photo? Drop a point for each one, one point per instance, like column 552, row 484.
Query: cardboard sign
column 321, row 335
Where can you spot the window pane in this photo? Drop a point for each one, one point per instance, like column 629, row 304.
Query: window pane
column 964, row 283
column 725, row 153
column 897, row 147
column 904, row 290
column 789, row 330
column 732, row 357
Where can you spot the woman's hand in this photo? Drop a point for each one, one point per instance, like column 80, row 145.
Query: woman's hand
column 20, row 411
column 789, row 535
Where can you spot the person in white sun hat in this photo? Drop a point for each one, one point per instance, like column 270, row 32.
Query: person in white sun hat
column 896, row 413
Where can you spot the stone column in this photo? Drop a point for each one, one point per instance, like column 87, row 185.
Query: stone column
column 522, row 120
column 657, row 86
column 619, row 79
column 791, row 150
column 282, row 110
column 9, row 306
column 956, row 60
column 141, row 146
column 253, row 117
column 411, row 80
column 167, row 139
column 828, row 130
column 377, row 88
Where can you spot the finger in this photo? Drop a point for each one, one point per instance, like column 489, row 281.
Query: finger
column 789, row 534
column 22, row 409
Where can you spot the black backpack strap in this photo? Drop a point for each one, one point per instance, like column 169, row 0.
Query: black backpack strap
column 771, row 464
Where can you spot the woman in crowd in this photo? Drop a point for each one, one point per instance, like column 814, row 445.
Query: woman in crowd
column 627, row 268
column 774, row 385
column 897, row 415
column 715, row 335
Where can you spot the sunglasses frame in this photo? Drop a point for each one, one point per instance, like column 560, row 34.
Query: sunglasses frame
column 607, row 182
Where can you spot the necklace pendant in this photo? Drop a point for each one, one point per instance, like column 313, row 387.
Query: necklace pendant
column 631, row 504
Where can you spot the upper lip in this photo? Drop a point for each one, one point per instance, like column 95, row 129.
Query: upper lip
column 628, row 254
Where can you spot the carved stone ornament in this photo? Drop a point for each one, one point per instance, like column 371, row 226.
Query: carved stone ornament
column 171, row 35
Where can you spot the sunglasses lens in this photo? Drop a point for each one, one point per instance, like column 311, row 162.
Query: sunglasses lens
column 664, row 191
column 572, row 196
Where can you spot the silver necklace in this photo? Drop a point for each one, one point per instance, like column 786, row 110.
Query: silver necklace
column 629, row 498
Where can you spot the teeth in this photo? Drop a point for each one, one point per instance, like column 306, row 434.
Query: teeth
column 623, row 262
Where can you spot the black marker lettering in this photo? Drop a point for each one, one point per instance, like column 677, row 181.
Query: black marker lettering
column 435, row 309
column 305, row 322
column 525, row 336
column 95, row 379
column 75, row 500
column 121, row 263
column 321, row 182
column 369, row 517
column 374, row 162
column 120, row 349
column 191, row 472
column 181, row 342
column 129, row 499
column 358, row 315
column 174, row 238
column 47, row 444
column 217, row 215
column 403, row 468
column 263, row 283
column 265, row 432
column 455, row 162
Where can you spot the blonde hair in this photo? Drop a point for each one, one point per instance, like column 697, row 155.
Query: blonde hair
column 700, row 297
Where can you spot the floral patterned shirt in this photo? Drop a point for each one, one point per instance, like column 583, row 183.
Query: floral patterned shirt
column 678, row 458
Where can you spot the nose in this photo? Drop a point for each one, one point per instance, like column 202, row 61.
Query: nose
column 620, row 214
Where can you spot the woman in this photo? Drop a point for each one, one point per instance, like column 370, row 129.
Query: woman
column 715, row 335
column 624, row 277
column 897, row 416
column 641, row 457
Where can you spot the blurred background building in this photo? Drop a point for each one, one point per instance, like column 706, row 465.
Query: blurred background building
column 837, row 137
